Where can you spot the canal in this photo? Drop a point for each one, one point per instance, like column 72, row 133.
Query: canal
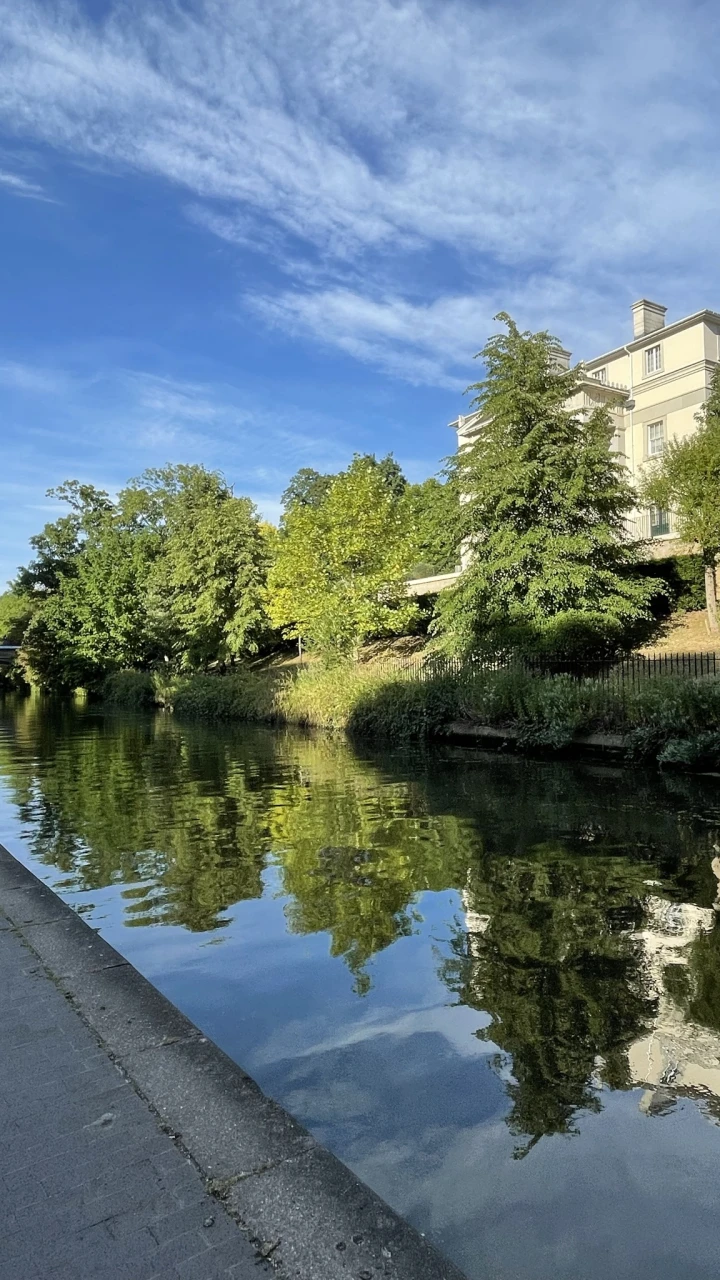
column 490, row 985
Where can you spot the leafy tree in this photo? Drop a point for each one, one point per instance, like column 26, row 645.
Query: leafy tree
column 58, row 546
column 687, row 480
column 432, row 513
column 16, row 610
column 207, row 587
column 308, row 488
column 389, row 471
column 88, row 582
column 175, row 568
column 543, row 514
column 338, row 576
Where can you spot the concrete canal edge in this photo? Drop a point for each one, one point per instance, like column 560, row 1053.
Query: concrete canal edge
column 274, row 1178
column 492, row 736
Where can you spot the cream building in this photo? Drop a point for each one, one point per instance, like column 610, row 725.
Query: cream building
column 653, row 386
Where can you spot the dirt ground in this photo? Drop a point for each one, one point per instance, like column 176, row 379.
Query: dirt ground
column 687, row 633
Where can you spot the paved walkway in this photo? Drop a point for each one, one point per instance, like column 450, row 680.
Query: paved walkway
column 90, row 1185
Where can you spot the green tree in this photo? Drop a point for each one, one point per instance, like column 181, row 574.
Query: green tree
column 687, row 480
column 543, row 515
column 338, row 575
column 16, row 610
column 175, row 569
column 432, row 513
column 307, row 488
column 207, row 587
column 59, row 544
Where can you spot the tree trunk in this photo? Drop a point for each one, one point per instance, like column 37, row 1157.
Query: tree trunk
column 711, row 597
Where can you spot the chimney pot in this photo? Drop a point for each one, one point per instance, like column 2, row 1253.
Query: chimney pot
column 648, row 317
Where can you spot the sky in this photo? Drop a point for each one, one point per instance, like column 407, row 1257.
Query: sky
column 267, row 234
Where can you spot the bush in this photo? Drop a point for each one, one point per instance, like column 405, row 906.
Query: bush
column 682, row 579
column 702, row 750
column 240, row 696
column 132, row 689
column 400, row 708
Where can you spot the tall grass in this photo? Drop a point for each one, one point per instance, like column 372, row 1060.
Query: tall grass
column 655, row 717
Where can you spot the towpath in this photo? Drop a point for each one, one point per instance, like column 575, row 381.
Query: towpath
column 90, row 1185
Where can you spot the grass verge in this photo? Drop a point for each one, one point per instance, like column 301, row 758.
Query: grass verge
column 674, row 720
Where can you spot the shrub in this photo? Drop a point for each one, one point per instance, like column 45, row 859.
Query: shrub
column 132, row 689
column 240, row 696
column 700, row 750
column 681, row 580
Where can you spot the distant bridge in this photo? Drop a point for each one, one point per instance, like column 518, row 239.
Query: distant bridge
column 7, row 654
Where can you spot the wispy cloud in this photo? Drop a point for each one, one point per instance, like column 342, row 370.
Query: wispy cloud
column 22, row 187
column 18, row 376
column 105, row 428
column 428, row 343
column 363, row 136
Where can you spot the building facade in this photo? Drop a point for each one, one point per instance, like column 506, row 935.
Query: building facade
column 653, row 386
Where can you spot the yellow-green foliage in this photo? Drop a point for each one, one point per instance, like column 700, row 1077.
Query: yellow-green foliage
column 369, row 701
column 338, row 575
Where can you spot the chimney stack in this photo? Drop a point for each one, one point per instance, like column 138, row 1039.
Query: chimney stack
column 560, row 357
column 648, row 317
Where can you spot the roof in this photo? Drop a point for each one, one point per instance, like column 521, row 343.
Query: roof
column 637, row 344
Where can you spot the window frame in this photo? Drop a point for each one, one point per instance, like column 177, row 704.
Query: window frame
column 657, row 368
column 649, row 453
column 659, row 528
column 600, row 375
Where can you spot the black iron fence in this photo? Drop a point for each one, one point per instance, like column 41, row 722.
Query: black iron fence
column 628, row 669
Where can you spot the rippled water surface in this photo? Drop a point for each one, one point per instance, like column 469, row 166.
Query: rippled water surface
column 492, row 986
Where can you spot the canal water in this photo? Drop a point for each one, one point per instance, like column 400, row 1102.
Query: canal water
column 490, row 985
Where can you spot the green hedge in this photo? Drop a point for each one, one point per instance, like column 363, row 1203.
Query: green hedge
column 684, row 577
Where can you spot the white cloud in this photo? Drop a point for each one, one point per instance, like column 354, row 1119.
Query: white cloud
column 431, row 343
column 344, row 136
column 19, row 186
column 18, row 376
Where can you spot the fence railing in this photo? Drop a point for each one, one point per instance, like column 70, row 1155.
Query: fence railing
column 630, row 669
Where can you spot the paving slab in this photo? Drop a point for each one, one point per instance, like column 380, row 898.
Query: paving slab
column 80, row 1190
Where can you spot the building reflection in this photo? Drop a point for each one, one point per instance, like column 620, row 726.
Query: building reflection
column 593, row 980
column 678, row 1055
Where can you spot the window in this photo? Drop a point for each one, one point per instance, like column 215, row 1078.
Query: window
column 653, row 362
column 600, row 375
column 655, row 439
column 659, row 522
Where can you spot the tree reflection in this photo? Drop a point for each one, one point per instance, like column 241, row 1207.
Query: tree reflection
column 552, row 868
column 548, row 952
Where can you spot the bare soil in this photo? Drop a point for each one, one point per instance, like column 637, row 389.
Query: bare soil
column 685, row 633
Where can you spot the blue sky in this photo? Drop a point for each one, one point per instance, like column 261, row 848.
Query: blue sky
column 263, row 234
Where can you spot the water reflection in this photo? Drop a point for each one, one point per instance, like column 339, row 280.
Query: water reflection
column 548, row 950
column 570, row 915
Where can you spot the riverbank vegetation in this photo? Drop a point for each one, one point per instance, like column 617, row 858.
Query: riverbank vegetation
column 671, row 720
column 179, row 580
